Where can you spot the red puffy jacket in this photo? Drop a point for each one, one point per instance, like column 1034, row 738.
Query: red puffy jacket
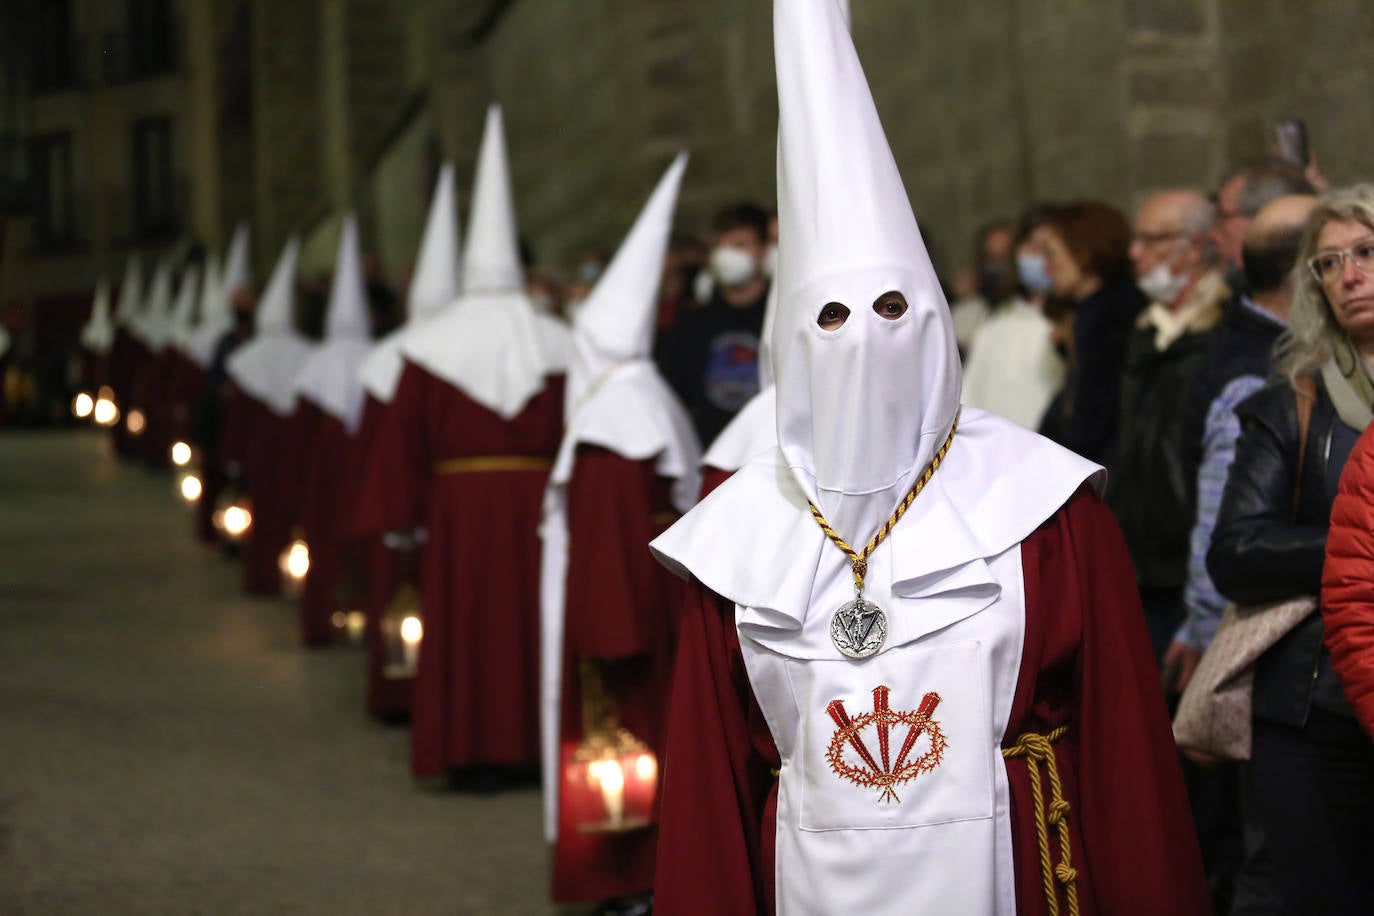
column 1348, row 581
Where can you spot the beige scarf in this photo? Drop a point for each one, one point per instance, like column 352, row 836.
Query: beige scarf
column 1348, row 382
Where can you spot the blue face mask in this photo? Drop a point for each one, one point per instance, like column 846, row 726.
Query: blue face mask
column 1033, row 274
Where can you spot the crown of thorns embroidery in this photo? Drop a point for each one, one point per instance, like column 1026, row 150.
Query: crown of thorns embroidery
column 883, row 772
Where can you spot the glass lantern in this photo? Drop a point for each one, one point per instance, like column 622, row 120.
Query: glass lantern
column 401, row 632
column 611, row 778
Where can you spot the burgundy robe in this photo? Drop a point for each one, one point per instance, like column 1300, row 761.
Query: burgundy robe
column 1086, row 664
column 127, row 354
column 710, row 479
column 154, row 393
column 618, row 612
column 386, row 569
column 257, row 441
column 327, row 459
column 476, row 694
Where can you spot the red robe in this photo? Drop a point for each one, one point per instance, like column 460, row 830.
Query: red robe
column 127, row 354
column 476, row 695
column 710, row 479
column 1086, row 664
column 257, row 441
column 386, row 569
column 185, row 381
column 327, row 459
column 154, row 393
column 617, row 613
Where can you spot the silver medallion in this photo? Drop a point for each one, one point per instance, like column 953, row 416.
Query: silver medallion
column 858, row 629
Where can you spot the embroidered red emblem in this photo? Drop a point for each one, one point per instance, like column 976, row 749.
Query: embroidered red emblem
column 883, row 772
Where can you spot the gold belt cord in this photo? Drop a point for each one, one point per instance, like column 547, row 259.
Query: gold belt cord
column 493, row 463
column 1038, row 751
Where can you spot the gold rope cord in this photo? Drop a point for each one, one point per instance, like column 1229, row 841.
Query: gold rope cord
column 859, row 561
column 1038, row 751
column 493, row 463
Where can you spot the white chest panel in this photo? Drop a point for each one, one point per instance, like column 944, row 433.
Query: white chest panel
column 892, row 794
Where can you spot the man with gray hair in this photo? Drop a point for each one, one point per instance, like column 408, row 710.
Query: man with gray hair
column 1178, row 269
column 1243, row 193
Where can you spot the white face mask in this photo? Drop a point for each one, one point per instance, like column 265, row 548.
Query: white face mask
column 733, row 266
column 1161, row 284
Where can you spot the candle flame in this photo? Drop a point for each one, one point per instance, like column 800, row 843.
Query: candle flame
column 82, row 406
column 190, row 488
column 181, row 454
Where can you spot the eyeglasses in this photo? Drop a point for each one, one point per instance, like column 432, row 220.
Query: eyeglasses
column 1154, row 238
column 1328, row 266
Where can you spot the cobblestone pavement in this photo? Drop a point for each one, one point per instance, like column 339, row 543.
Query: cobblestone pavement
column 167, row 748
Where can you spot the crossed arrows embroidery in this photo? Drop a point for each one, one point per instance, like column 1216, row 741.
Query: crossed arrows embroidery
column 883, row 772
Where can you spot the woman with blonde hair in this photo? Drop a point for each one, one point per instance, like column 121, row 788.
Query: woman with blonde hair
column 1312, row 767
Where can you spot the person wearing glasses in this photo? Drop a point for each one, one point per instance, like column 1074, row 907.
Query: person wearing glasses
column 1312, row 767
column 1178, row 268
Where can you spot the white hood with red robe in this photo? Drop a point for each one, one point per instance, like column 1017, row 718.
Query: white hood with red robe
column 617, row 400
column 491, row 344
column 862, row 409
column 330, row 377
column 265, row 367
column 433, row 287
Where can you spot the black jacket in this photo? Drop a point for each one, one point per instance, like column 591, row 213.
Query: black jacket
column 1085, row 414
column 1264, row 551
column 1242, row 345
column 1150, row 489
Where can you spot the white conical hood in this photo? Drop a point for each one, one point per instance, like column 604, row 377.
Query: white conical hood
column 238, row 270
column 277, row 309
column 616, row 323
column 97, row 334
column 330, row 378
column 491, row 260
column 346, row 315
column 861, row 409
column 184, row 312
column 154, row 323
column 490, row 344
column 266, row 366
column 435, row 282
column 130, row 291
column 216, row 314
column 209, row 322
column 434, row 286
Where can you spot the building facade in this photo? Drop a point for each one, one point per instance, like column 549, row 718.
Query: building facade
column 151, row 121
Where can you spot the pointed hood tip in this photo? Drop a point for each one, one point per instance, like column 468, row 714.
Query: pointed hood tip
column 491, row 256
column 346, row 315
column 436, row 281
column 617, row 321
column 276, row 310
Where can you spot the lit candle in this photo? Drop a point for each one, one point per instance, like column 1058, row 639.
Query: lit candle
column 355, row 623
column 83, row 405
column 412, row 631
column 613, row 791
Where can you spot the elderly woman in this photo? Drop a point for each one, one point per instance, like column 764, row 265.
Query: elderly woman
column 1312, row 766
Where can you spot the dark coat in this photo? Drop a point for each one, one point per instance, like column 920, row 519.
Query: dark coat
column 1151, row 489
column 1265, row 551
column 1085, row 414
column 1242, row 345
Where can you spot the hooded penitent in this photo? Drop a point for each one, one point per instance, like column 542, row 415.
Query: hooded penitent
column 216, row 317
column 184, row 312
column 491, row 345
column 329, row 379
column 867, row 383
column 154, row 323
column 130, row 293
column 97, row 334
column 265, row 366
column 616, row 400
column 434, row 286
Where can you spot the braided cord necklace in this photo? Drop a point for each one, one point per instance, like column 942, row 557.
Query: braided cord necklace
column 859, row 627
